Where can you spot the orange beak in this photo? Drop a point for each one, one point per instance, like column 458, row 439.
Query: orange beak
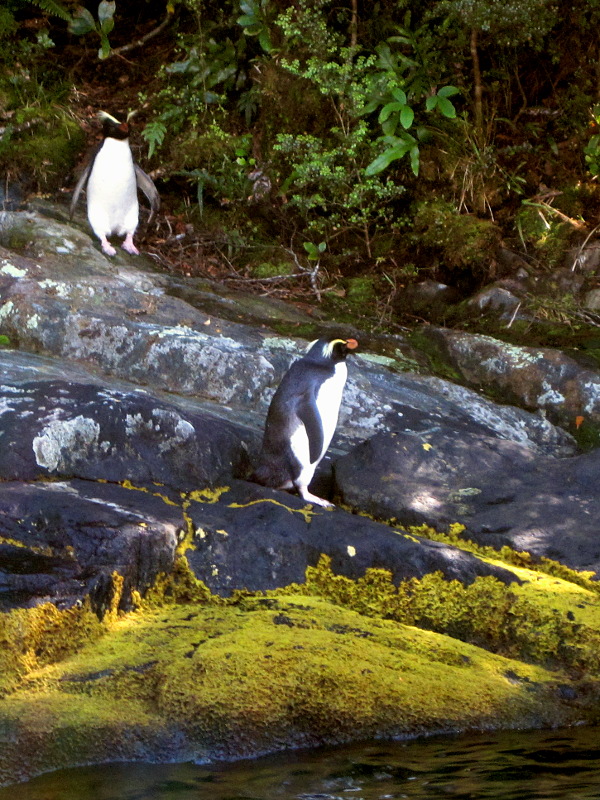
column 351, row 344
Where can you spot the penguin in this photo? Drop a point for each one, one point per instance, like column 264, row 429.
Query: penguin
column 302, row 418
column 113, row 178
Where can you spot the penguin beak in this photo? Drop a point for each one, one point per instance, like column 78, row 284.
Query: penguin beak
column 351, row 344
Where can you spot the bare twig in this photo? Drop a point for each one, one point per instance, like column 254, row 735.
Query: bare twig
column 580, row 251
column 117, row 51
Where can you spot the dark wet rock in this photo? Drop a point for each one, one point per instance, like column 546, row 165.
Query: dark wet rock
column 254, row 538
column 428, row 299
column 501, row 491
column 62, row 542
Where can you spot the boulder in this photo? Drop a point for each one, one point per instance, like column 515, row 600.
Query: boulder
column 63, row 541
column 532, row 377
column 502, row 492
column 254, row 538
column 60, row 428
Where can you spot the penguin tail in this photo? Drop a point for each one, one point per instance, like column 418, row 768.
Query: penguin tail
column 274, row 475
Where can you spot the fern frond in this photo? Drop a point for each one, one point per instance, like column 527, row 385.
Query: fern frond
column 52, row 7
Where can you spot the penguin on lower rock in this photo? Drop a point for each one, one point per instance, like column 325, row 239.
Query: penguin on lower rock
column 302, row 418
column 113, row 179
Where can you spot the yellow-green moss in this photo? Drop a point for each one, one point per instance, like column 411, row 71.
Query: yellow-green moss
column 488, row 613
column 267, row 670
column 33, row 637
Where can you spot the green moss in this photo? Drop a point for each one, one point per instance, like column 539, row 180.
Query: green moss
column 539, row 225
column 487, row 613
column 46, row 153
column 437, row 358
column 269, row 270
column 360, row 291
column 289, row 669
column 462, row 241
column 33, row 637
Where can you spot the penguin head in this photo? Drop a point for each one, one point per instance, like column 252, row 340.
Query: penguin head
column 327, row 350
column 112, row 128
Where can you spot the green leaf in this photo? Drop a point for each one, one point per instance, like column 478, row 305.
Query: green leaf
column 387, row 110
column 431, row 102
column 246, row 20
column 154, row 133
column 448, row 91
column 264, row 39
column 386, row 60
column 106, row 10
column 385, row 159
column 312, row 250
column 446, row 107
column 322, row 247
column 82, row 22
column 407, row 116
column 107, row 25
column 415, row 159
column 400, row 96
column 104, row 50
column 4, row 341
column 390, row 125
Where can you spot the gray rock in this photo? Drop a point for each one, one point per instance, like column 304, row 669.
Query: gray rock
column 532, row 377
column 58, row 428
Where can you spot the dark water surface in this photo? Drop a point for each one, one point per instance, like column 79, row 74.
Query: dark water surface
column 504, row 766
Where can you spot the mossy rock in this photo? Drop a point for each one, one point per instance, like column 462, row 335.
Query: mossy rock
column 269, row 270
column 45, row 154
column 463, row 241
column 550, row 235
column 360, row 291
column 189, row 675
column 192, row 680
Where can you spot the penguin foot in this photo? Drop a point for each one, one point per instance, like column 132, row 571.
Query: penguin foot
column 107, row 247
column 312, row 498
column 129, row 246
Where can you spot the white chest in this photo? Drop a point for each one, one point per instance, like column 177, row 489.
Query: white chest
column 112, row 189
column 329, row 398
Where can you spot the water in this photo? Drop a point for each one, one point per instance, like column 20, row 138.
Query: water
column 540, row 765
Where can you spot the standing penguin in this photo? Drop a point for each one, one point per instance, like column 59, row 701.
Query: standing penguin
column 302, row 417
column 112, row 181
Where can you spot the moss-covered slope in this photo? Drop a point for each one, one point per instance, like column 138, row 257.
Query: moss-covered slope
column 197, row 676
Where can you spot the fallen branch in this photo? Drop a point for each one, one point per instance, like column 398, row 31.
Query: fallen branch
column 117, row 51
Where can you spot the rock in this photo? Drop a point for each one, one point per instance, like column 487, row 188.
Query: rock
column 584, row 259
column 63, row 541
column 119, row 321
column 377, row 401
column 252, row 538
column 501, row 491
column 61, row 428
column 591, row 300
column 495, row 300
column 533, row 377
column 428, row 299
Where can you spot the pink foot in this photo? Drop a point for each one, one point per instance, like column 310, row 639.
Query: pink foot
column 129, row 246
column 107, row 247
column 312, row 498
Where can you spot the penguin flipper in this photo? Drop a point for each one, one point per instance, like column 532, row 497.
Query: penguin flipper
column 78, row 187
column 309, row 416
column 146, row 184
